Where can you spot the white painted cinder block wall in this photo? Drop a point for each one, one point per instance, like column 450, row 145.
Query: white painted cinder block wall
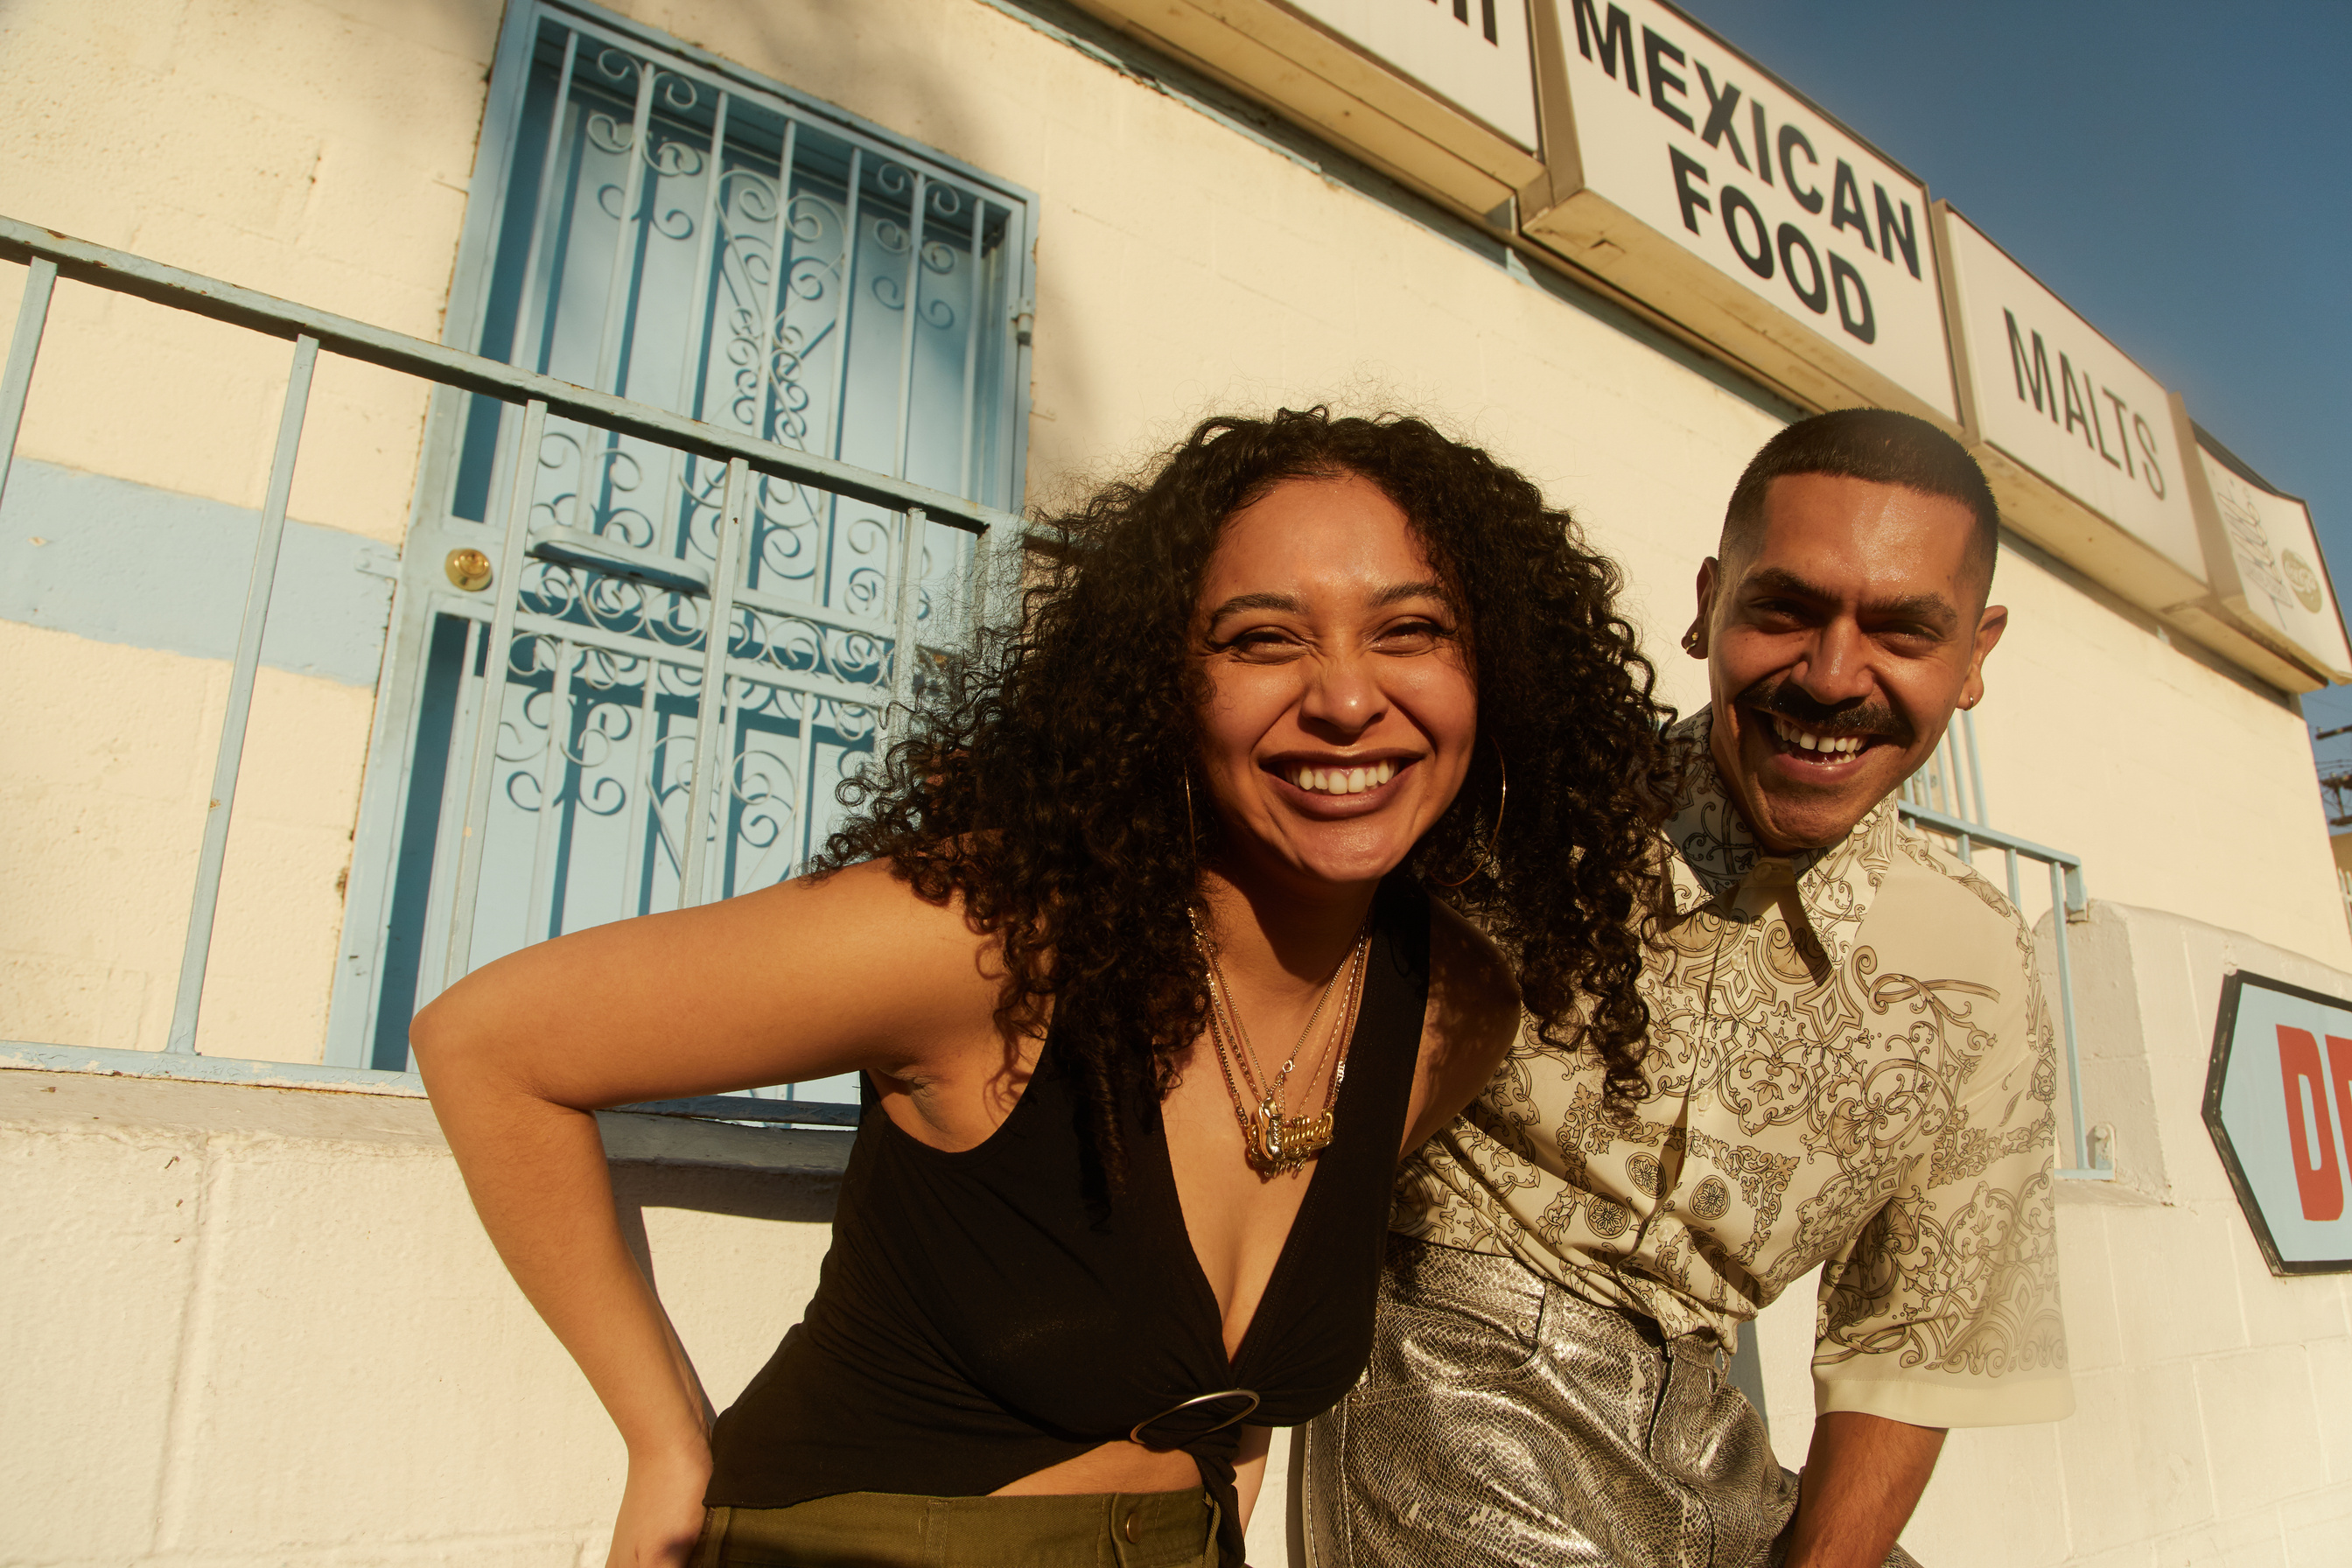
column 261, row 1326
column 244, row 1326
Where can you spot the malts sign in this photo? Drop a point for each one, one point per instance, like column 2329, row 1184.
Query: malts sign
column 1688, row 176
column 2278, row 1098
column 2077, row 440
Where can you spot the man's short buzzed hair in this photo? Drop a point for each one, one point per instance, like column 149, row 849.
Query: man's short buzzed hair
column 1873, row 443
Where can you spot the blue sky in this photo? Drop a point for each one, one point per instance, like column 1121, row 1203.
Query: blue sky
column 2181, row 174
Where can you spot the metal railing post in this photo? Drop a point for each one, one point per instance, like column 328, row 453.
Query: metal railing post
column 903, row 650
column 484, row 768
column 711, row 715
column 995, row 594
column 841, row 328
column 2059, row 879
column 24, row 347
column 196, row 951
column 1976, row 773
column 906, row 410
column 554, row 777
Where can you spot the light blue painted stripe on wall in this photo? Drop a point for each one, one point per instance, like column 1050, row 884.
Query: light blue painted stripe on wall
column 124, row 563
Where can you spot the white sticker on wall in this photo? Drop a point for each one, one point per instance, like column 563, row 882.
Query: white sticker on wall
column 2275, row 557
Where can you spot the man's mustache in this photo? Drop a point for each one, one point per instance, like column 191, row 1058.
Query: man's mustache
column 1776, row 695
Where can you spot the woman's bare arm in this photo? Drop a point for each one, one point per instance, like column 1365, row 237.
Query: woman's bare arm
column 537, row 1173
column 799, row 981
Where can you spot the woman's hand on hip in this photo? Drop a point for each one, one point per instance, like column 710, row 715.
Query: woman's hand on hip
column 661, row 1514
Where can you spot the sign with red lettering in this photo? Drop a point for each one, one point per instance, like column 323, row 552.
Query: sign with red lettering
column 2278, row 1099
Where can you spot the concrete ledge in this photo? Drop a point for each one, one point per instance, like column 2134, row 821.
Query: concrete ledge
column 30, row 1096
column 2106, row 1195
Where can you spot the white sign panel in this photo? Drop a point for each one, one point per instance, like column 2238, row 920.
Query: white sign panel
column 2061, row 399
column 2278, row 1095
column 1473, row 53
column 2274, row 555
column 1702, row 146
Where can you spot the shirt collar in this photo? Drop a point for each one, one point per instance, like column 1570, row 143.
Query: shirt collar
column 1715, row 853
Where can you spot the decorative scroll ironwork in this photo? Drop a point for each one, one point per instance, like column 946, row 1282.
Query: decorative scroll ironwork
column 594, row 757
column 677, row 239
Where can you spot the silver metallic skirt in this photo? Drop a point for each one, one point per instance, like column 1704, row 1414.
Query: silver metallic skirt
column 1505, row 1423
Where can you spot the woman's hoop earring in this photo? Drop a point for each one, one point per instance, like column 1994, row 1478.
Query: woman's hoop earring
column 1191, row 828
column 1502, row 799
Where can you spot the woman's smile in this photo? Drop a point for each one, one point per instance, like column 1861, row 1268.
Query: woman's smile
column 1338, row 786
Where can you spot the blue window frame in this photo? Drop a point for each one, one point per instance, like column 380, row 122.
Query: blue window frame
column 652, row 222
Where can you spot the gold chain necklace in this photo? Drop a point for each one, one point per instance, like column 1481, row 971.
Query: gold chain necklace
column 1272, row 1143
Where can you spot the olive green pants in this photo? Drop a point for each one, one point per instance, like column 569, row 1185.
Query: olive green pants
column 886, row 1529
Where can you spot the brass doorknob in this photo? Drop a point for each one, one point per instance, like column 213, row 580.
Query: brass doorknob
column 468, row 569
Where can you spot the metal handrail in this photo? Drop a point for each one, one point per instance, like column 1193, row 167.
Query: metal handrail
column 49, row 256
column 191, row 291
column 1976, row 833
column 2069, row 902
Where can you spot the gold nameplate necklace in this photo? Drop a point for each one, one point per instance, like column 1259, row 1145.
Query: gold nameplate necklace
column 1273, row 1142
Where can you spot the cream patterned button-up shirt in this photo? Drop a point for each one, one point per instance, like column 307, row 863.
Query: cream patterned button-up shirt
column 1850, row 1066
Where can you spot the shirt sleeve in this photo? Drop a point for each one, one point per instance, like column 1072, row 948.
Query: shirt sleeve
column 1943, row 1309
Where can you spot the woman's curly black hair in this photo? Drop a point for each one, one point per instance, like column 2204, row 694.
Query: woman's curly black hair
column 1044, row 783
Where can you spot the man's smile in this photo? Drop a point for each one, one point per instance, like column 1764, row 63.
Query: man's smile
column 1824, row 752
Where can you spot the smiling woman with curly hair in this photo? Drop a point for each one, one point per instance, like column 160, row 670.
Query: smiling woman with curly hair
column 1173, row 920
column 1048, row 795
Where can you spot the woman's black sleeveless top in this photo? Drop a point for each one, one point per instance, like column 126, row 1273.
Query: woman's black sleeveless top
column 982, row 1315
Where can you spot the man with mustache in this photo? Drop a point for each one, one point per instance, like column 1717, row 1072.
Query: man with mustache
column 1849, row 1068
